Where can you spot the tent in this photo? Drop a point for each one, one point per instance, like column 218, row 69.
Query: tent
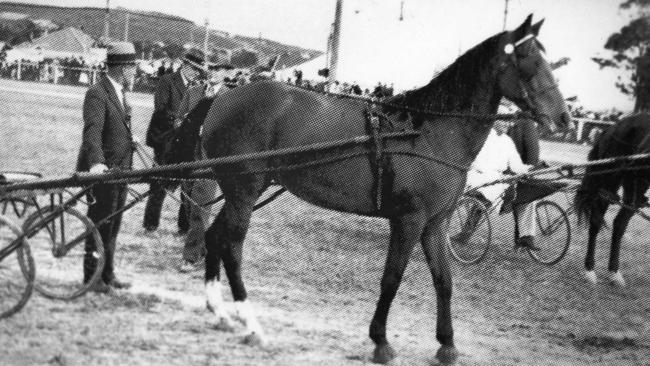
column 309, row 70
column 68, row 42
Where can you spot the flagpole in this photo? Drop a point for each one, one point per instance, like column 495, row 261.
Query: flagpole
column 336, row 36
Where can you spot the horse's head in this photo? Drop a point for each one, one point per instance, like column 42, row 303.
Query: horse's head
column 525, row 76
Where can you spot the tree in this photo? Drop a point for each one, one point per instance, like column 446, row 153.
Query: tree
column 15, row 32
column 631, row 52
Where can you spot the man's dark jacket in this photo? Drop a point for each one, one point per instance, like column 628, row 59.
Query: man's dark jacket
column 168, row 96
column 526, row 138
column 107, row 137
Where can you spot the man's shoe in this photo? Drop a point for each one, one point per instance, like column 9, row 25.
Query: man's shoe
column 120, row 285
column 150, row 228
column 528, row 242
column 100, row 287
column 188, row 266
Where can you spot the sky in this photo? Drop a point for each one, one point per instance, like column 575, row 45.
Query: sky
column 376, row 45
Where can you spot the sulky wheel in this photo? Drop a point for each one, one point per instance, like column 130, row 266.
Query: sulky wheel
column 16, row 207
column 17, row 269
column 470, row 231
column 553, row 233
column 57, row 239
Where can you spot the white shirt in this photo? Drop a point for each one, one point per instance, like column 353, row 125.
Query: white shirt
column 497, row 155
column 118, row 89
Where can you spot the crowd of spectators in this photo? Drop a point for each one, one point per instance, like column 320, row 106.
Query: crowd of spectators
column 380, row 91
column 69, row 71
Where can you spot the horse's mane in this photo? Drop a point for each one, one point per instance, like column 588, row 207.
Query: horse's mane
column 452, row 89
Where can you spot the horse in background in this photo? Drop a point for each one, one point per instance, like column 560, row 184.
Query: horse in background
column 597, row 190
column 423, row 176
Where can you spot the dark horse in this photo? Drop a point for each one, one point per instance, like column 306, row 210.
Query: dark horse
column 597, row 190
column 417, row 193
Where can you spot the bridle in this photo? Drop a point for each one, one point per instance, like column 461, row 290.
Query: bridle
column 516, row 61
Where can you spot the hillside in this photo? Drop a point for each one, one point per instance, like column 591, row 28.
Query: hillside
column 148, row 27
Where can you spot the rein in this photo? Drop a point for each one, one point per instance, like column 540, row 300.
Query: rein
column 403, row 108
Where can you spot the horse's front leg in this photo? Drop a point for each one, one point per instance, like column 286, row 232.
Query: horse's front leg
column 404, row 233
column 226, row 241
column 434, row 243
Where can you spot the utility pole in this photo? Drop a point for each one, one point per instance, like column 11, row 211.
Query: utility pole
column 401, row 11
column 505, row 15
column 336, row 37
column 207, row 32
column 107, row 20
column 126, row 27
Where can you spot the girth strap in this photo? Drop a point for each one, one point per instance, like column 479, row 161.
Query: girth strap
column 378, row 158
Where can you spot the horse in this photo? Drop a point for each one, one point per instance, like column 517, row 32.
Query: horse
column 421, row 182
column 598, row 190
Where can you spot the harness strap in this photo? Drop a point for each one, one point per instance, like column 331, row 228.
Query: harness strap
column 377, row 157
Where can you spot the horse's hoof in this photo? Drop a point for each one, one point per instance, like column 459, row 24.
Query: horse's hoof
column 383, row 354
column 447, row 355
column 616, row 278
column 254, row 339
column 591, row 277
column 224, row 324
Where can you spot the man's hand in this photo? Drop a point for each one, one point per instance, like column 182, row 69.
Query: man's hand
column 98, row 169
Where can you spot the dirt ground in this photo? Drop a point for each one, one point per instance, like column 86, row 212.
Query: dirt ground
column 313, row 275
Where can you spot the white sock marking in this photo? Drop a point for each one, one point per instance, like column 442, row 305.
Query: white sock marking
column 591, row 277
column 617, row 278
column 244, row 311
column 215, row 300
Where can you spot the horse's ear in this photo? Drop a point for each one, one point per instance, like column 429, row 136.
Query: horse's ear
column 535, row 28
column 524, row 29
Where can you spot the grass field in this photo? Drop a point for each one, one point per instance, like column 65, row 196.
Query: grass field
column 314, row 276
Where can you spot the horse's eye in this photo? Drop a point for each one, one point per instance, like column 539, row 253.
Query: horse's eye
column 528, row 67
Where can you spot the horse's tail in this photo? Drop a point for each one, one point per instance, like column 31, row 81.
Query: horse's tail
column 588, row 189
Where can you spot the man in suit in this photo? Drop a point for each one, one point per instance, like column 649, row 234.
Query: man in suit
column 202, row 191
column 108, row 144
column 525, row 136
column 167, row 98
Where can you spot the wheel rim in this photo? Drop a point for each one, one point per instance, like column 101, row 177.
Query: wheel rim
column 16, row 272
column 553, row 233
column 61, row 274
column 470, row 231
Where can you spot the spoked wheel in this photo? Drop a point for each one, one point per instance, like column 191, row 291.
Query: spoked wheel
column 17, row 269
column 470, row 231
column 58, row 245
column 553, row 233
column 14, row 206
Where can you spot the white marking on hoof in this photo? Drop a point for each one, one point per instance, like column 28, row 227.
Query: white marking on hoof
column 246, row 314
column 616, row 278
column 217, row 306
column 591, row 277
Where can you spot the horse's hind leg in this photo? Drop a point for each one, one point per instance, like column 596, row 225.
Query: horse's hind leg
column 434, row 246
column 224, row 242
column 633, row 196
column 595, row 223
column 404, row 233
